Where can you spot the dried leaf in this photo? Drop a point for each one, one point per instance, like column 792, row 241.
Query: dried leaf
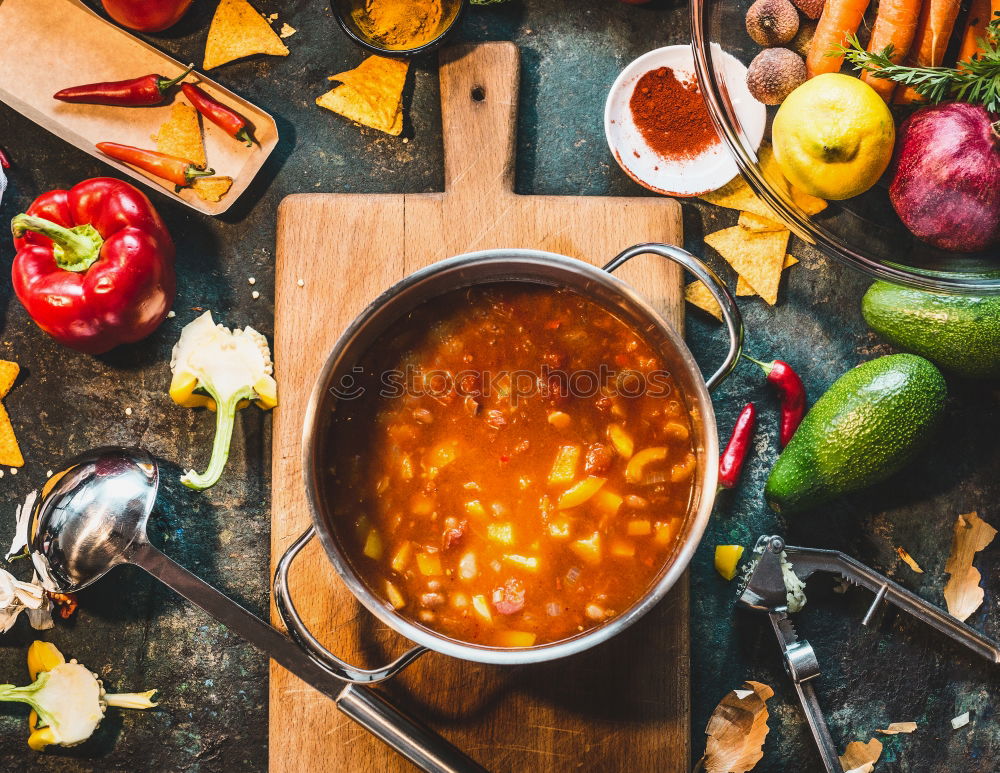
column 896, row 728
column 737, row 729
column 963, row 593
column 909, row 560
column 861, row 757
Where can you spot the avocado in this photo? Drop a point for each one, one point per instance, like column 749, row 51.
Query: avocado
column 869, row 424
column 960, row 333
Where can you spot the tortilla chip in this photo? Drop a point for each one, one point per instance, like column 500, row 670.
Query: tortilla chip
column 736, row 194
column 10, row 453
column 180, row 135
column 8, row 375
column 743, row 288
column 237, row 31
column 757, row 257
column 759, row 224
column 698, row 295
column 808, row 203
column 370, row 94
column 770, row 169
column 212, row 188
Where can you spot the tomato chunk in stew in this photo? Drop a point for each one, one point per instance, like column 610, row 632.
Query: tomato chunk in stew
column 515, row 468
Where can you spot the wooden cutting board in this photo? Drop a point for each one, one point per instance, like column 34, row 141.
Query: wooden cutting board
column 621, row 706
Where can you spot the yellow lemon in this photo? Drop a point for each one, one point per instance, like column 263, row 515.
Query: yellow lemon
column 833, row 136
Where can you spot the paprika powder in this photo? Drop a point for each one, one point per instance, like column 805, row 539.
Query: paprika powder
column 671, row 115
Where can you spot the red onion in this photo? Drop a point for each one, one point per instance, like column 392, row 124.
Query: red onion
column 946, row 189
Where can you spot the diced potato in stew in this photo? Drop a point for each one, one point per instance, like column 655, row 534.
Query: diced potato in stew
column 495, row 495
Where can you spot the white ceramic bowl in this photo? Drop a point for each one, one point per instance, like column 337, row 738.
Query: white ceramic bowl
column 677, row 177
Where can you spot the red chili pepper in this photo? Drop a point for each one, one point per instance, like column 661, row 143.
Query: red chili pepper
column 94, row 265
column 179, row 171
column 793, row 395
column 231, row 122
column 136, row 92
column 731, row 461
column 4, row 160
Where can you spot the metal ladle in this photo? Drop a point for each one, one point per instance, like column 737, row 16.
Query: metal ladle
column 92, row 517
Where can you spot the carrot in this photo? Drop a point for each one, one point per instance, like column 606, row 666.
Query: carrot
column 980, row 14
column 896, row 25
column 840, row 19
column 937, row 19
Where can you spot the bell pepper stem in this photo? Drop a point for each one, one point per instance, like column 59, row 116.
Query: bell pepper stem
column 163, row 84
column 74, row 249
column 225, row 418
column 243, row 135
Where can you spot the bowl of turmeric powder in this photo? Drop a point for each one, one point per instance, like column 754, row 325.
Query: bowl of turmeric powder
column 398, row 27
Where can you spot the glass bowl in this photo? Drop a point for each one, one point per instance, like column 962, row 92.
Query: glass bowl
column 863, row 232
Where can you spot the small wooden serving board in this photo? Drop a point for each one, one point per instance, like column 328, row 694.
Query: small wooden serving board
column 623, row 706
column 48, row 45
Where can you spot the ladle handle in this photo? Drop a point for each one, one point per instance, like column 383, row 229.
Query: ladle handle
column 416, row 742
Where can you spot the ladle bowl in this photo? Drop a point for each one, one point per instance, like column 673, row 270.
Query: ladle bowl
column 92, row 516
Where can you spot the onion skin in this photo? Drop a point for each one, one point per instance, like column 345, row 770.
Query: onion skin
column 946, row 188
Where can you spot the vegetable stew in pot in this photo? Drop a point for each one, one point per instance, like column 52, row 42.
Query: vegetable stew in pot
column 512, row 465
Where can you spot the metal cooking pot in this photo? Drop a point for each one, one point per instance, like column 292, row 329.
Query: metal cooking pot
column 475, row 268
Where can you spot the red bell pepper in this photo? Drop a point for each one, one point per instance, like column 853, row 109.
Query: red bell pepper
column 94, row 265
column 231, row 122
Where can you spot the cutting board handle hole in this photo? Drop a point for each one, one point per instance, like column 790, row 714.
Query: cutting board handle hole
column 478, row 94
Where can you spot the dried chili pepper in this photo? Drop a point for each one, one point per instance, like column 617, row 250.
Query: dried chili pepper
column 179, row 171
column 135, row 92
column 231, row 122
column 4, row 160
column 793, row 395
column 731, row 461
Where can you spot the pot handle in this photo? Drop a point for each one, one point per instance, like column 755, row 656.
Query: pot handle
column 730, row 314
column 298, row 630
column 410, row 738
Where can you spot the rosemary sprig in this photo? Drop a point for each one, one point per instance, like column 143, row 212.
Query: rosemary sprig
column 978, row 80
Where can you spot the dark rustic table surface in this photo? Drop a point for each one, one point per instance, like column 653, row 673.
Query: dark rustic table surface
column 138, row 635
